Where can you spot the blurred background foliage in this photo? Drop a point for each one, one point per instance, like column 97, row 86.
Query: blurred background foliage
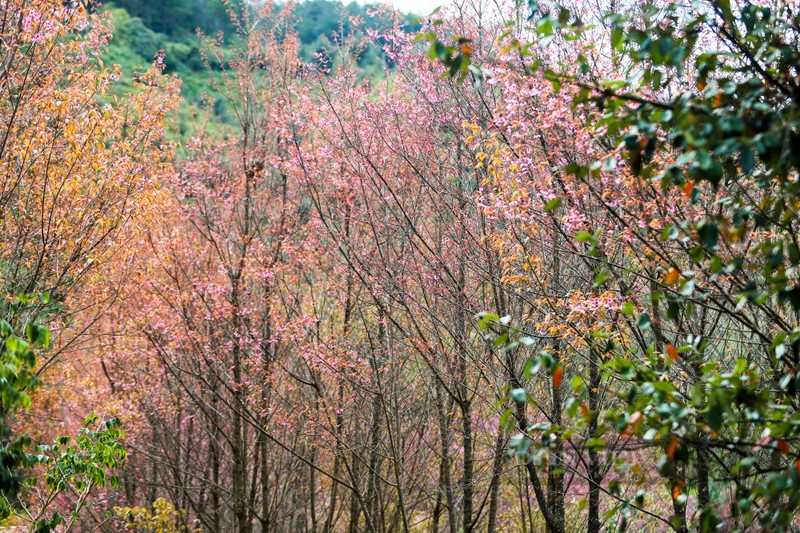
column 144, row 28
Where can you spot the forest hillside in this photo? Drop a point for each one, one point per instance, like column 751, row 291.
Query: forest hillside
column 177, row 29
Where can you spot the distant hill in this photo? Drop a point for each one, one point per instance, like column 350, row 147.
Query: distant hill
column 144, row 27
column 179, row 18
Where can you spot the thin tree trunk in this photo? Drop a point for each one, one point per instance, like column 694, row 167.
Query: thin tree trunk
column 337, row 461
column 703, row 497
column 392, row 434
column 437, row 507
column 555, row 467
column 312, row 482
column 533, row 476
column 677, row 487
column 494, row 486
column 371, row 500
column 469, row 465
column 238, row 433
column 355, row 500
column 337, row 468
column 444, row 443
column 555, row 473
column 594, row 459
column 215, row 469
column 464, row 403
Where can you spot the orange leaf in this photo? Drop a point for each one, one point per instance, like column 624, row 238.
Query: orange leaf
column 558, row 373
column 672, row 448
column 672, row 276
column 783, row 446
column 672, row 352
column 585, row 411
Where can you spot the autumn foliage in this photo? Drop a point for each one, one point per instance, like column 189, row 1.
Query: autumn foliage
column 516, row 284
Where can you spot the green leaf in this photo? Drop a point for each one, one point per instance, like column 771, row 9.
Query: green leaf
column 708, row 232
column 595, row 444
column 437, row 50
column 519, row 396
column 747, row 160
column 552, row 204
column 687, row 288
column 714, row 416
column 617, row 38
column 531, row 367
column 545, row 26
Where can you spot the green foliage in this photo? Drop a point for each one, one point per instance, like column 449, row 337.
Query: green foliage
column 728, row 129
column 135, row 44
column 456, row 56
column 179, row 19
column 328, row 19
column 76, row 468
column 734, row 130
column 17, row 381
column 68, row 468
